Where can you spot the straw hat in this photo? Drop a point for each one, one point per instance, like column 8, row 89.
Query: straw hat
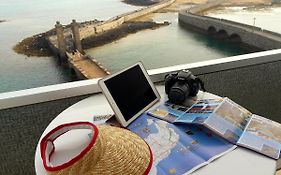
column 111, row 150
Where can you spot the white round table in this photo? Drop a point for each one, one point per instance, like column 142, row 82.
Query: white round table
column 240, row 161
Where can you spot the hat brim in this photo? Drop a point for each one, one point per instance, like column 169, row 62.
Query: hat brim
column 112, row 150
column 123, row 152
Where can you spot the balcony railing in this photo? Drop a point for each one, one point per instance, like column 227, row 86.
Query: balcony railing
column 252, row 80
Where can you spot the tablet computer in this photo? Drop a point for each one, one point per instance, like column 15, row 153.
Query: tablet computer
column 130, row 92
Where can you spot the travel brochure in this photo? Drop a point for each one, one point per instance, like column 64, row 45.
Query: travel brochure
column 183, row 139
column 229, row 120
column 262, row 135
column 196, row 114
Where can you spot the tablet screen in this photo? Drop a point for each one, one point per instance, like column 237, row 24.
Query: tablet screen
column 131, row 91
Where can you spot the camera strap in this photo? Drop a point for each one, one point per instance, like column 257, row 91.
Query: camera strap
column 202, row 86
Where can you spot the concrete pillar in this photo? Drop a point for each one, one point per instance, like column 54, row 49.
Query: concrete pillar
column 76, row 36
column 61, row 41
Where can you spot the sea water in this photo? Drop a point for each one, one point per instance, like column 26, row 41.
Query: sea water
column 165, row 46
column 29, row 17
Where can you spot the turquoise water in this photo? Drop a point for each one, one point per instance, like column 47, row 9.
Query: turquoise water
column 28, row 17
column 169, row 45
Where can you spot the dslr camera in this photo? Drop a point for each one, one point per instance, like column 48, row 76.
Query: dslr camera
column 181, row 85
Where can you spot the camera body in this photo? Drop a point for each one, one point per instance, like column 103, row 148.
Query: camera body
column 181, row 85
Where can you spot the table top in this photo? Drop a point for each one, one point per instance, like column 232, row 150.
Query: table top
column 239, row 161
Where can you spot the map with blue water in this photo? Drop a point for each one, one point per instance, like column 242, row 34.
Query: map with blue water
column 179, row 149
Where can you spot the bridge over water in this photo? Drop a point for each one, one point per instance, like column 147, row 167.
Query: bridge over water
column 232, row 31
column 67, row 46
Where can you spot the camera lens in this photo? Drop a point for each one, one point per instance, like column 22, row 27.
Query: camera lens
column 178, row 93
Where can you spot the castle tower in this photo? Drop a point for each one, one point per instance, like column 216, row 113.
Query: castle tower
column 61, row 40
column 76, row 36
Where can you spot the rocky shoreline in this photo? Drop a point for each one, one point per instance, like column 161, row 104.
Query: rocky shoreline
column 119, row 32
column 38, row 45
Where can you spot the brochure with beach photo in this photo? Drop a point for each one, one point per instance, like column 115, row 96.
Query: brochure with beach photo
column 195, row 114
column 241, row 127
column 262, row 135
column 229, row 120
